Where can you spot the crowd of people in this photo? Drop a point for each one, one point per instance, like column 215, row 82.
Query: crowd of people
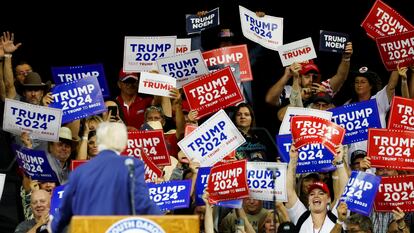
column 100, row 187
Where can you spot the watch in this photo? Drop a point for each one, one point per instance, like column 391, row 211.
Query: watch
column 337, row 162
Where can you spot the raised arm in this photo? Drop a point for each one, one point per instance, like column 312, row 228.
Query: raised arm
column 9, row 47
column 291, row 177
column 339, row 78
column 411, row 82
column 179, row 115
column 392, row 84
column 341, row 172
column 402, row 72
column 296, row 94
column 273, row 94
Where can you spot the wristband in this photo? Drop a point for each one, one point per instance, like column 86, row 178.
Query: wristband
column 8, row 55
column 346, row 59
column 85, row 138
column 339, row 165
column 339, row 222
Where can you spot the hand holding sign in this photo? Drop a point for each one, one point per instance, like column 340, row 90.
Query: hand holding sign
column 310, row 130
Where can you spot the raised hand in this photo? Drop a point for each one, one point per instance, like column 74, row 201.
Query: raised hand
column 8, row 43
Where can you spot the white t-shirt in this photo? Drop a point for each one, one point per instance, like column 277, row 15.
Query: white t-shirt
column 307, row 227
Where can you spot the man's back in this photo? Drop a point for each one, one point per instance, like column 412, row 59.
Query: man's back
column 101, row 187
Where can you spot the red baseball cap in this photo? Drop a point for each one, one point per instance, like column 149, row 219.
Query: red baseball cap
column 309, row 67
column 126, row 75
column 319, row 185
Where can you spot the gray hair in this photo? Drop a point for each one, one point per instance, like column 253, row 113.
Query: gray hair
column 112, row 135
column 364, row 222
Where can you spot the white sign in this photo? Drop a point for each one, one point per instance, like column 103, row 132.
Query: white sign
column 213, row 140
column 266, row 31
column 294, row 111
column 2, row 181
column 267, row 180
column 182, row 45
column 298, row 51
column 156, row 84
column 183, row 67
column 41, row 122
column 141, row 53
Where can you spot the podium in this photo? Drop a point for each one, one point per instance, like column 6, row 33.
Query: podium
column 170, row 223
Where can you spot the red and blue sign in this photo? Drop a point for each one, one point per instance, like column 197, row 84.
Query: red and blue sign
column 312, row 158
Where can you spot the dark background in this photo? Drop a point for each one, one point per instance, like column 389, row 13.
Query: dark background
column 68, row 33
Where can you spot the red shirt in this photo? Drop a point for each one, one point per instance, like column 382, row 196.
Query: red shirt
column 134, row 114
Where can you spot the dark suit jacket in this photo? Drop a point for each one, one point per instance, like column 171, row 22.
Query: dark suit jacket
column 101, row 187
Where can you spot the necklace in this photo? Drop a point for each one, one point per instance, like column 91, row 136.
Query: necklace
column 320, row 229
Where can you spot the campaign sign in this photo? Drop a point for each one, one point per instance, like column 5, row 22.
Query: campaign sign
column 141, row 53
column 41, row 122
column 34, row 163
column 76, row 163
column 78, row 99
column 267, row 180
column 332, row 41
column 151, row 142
column 183, row 67
column 67, row 74
column 228, row 55
column 182, row 45
column 298, row 51
column 152, row 172
column 55, row 199
column 212, row 92
column 391, row 149
column 356, row 118
column 311, row 158
column 171, row 195
column 360, row 191
column 189, row 128
column 213, row 140
column 171, row 143
column 393, row 192
column 201, row 184
column 196, row 24
column 228, row 181
column 310, row 130
column 401, row 114
column 299, row 111
column 396, row 50
column 266, row 31
column 156, row 84
column 382, row 20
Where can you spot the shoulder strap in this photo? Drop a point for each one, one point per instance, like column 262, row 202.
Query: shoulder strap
column 332, row 216
column 302, row 219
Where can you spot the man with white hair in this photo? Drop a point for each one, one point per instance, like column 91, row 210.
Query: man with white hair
column 101, row 186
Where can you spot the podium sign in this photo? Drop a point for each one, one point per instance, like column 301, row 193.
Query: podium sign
column 101, row 224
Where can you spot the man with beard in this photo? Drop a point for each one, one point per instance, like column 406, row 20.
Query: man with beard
column 279, row 94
